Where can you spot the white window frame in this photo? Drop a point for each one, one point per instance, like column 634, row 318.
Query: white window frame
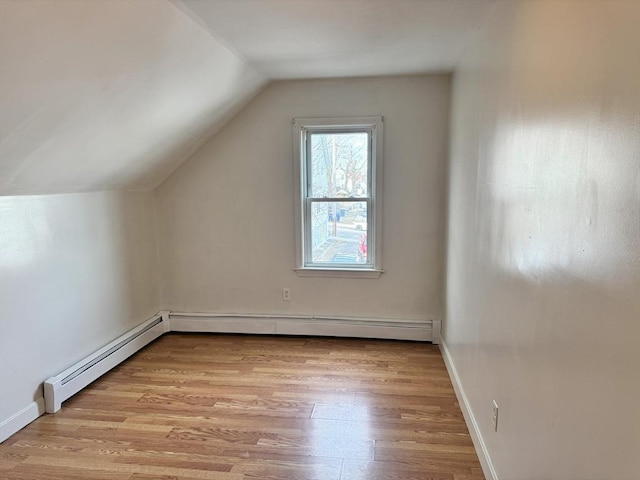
column 302, row 127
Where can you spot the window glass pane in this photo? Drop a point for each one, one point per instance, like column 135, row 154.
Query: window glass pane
column 339, row 164
column 339, row 233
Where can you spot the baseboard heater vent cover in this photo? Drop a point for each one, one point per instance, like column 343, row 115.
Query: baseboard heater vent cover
column 314, row 325
column 59, row 388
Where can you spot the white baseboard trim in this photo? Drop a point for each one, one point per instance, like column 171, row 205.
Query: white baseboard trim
column 396, row 329
column 478, row 442
column 21, row 419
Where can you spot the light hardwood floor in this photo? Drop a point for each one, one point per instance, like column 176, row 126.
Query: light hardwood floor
column 234, row 407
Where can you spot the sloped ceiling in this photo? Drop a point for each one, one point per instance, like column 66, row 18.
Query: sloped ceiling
column 98, row 95
column 102, row 94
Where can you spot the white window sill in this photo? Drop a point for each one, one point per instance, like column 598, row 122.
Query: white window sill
column 338, row 273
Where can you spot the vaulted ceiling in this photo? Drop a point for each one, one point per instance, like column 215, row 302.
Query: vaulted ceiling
column 99, row 95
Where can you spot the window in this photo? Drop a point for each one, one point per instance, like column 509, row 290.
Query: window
column 338, row 168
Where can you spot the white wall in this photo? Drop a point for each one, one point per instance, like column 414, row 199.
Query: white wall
column 543, row 285
column 225, row 217
column 76, row 271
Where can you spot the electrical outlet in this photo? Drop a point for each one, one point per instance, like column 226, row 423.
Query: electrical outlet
column 286, row 294
column 494, row 417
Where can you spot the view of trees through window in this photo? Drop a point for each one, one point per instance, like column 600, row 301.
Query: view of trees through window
column 338, row 174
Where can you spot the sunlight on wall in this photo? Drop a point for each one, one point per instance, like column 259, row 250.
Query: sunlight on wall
column 546, row 189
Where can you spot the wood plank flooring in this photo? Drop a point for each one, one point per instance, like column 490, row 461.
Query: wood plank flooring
column 233, row 407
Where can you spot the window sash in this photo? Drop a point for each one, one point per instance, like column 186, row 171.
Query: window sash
column 308, row 249
column 310, row 199
column 307, row 132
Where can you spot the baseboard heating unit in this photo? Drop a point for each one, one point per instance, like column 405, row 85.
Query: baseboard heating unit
column 421, row 330
column 59, row 388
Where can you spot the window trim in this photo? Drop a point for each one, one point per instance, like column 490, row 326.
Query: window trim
column 374, row 215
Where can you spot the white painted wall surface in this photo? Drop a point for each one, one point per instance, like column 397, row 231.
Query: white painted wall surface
column 76, row 271
column 225, row 217
column 543, row 287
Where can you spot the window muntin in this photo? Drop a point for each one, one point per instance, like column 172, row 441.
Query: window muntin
column 338, row 211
